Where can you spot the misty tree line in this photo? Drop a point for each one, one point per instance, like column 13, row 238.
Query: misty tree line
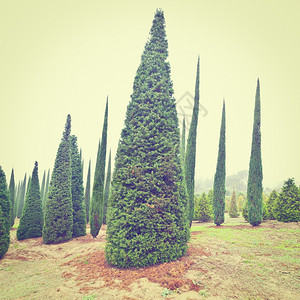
column 148, row 203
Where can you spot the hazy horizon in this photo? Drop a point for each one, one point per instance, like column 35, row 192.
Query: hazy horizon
column 67, row 57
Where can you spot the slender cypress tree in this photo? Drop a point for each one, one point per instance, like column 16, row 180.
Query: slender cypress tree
column 22, row 198
column 43, row 187
column 31, row 222
column 4, row 215
column 233, row 211
column 79, row 218
column 12, row 197
column 58, row 225
column 190, row 156
column 96, row 208
column 220, row 176
column 182, row 151
column 87, row 194
column 46, row 189
column 255, row 177
column 107, row 188
column 147, row 221
column 17, row 199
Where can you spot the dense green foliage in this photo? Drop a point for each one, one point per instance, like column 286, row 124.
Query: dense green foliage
column 220, row 176
column 190, row 156
column 31, row 222
column 147, row 221
column 287, row 204
column 22, row 198
column 12, row 197
column 46, row 190
column 255, row 177
column 107, row 188
column 96, row 207
column 270, row 204
column 43, row 188
column 233, row 211
column 58, row 226
column 87, row 195
column 203, row 208
column 4, row 214
column 79, row 213
column 182, row 145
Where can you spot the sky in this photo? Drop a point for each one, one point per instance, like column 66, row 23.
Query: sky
column 61, row 57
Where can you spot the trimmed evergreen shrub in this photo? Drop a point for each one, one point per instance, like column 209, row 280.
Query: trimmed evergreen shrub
column 58, row 226
column 203, row 208
column 220, row 177
column 31, row 222
column 79, row 213
column 147, row 220
column 255, row 177
column 287, row 204
column 270, row 204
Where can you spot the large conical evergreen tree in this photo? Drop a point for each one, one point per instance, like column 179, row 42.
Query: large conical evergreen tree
column 96, row 207
column 12, row 197
column 87, row 194
column 4, row 215
column 58, row 225
column 31, row 222
column 220, row 176
column 255, row 177
column 22, row 198
column 107, row 188
column 190, row 156
column 79, row 217
column 147, row 222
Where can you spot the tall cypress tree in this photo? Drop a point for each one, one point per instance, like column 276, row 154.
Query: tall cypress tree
column 147, row 221
column 31, row 222
column 22, row 198
column 96, row 207
column 46, row 190
column 43, row 187
column 87, row 194
column 182, row 144
column 17, row 199
column 58, row 225
column 255, row 177
column 4, row 215
column 107, row 188
column 12, row 197
column 79, row 218
column 220, row 176
column 190, row 156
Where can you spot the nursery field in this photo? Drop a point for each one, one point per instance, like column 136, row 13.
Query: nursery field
column 233, row 261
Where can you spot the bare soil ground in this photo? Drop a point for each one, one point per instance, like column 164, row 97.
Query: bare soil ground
column 233, row 261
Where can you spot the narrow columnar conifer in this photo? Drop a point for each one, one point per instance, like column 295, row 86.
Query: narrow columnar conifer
column 18, row 190
column 31, row 222
column 43, row 186
column 147, row 221
column 46, row 189
column 96, row 207
column 79, row 217
column 220, row 176
column 190, row 156
column 4, row 214
column 182, row 145
column 58, row 225
column 255, row 177
column 12, row 197
column 22, row 198
column 87, row 195
column 107, row 188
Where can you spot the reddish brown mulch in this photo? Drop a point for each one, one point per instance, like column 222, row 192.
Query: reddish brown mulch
column 93, row 266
